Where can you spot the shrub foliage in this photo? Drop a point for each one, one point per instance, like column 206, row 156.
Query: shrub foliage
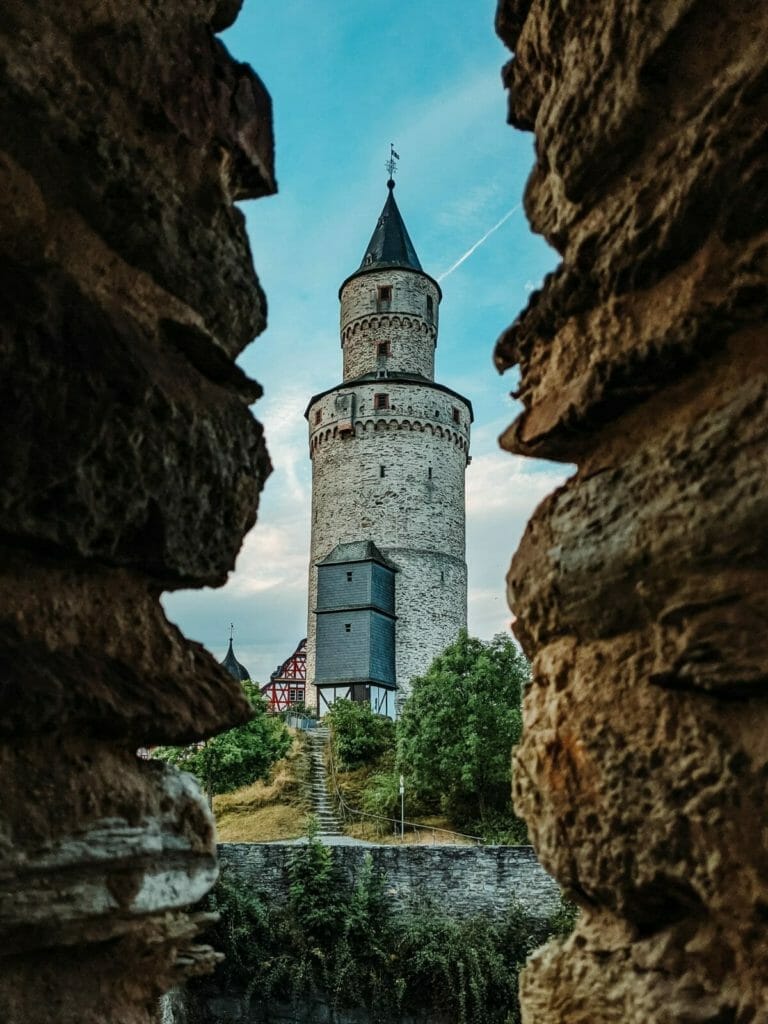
column 460, row 723
column 359, row 735
column 452, row 743
column 238, row 756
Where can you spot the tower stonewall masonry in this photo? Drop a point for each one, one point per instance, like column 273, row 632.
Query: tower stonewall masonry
column 389, row 448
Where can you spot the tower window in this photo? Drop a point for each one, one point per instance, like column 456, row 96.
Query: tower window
column 429, row 473
column 456, row 416
column 318, row 416
column 381, row 401
column 382, row 348
column 382, row 471
column 383, row 296
column 430, row 308
column 349, row 577
column 347, row 627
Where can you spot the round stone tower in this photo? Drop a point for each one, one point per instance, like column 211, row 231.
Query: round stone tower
column 389, row 447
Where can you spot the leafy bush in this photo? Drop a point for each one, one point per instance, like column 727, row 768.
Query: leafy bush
column 381, row 795
column 563, row 921
column 359, row 736
column 242, row 933
column 502, row 828
column 237, row 757
column 459, row 725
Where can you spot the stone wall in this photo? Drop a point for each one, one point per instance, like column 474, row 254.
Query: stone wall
column 130, row 464
column 460, row 880
column 640, row 586
column 205, row 1005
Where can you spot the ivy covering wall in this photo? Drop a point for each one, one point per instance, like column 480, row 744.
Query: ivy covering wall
column 345, row 943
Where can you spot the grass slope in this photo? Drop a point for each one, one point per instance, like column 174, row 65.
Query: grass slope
column 353, row 785
column 268, row 811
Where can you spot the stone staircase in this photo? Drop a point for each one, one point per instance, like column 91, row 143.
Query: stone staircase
column 322, row 807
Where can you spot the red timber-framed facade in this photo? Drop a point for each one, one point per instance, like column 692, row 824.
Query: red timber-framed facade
column 287, row 685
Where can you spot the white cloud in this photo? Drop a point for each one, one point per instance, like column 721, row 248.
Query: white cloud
column 273, row 555
column 502, row 493
column 501, row 483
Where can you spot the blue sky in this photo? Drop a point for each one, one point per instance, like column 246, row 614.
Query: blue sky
column 346, row 79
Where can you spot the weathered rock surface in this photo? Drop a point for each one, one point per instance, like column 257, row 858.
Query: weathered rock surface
column 130, row 464
column 640, row 587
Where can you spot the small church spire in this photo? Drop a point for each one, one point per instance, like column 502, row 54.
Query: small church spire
column 230, row 662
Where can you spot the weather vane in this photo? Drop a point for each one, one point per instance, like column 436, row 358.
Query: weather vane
column 391, row 164
column 231, row 631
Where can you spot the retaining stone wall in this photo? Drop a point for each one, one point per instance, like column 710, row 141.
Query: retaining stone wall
column 461, row 880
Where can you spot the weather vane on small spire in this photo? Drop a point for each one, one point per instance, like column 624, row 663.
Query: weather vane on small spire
column 391, row 164
column 231, row 631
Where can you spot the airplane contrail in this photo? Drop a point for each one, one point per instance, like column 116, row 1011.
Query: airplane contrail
column 478, row 243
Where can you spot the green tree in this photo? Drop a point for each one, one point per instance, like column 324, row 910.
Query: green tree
column 237, row 757
column 359, row 735
column 459, row 725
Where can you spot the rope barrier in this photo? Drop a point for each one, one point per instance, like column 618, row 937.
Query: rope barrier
column 345, row 809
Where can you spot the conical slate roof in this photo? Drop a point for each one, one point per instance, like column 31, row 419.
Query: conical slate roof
column 390, row 244
column 356, row 551
column 233, row 666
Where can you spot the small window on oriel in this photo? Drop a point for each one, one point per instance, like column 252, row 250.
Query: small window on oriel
column 349, row 577
column 347, row 627
column 381, row 401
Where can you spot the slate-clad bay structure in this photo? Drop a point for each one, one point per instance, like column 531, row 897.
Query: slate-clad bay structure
column 389, row 448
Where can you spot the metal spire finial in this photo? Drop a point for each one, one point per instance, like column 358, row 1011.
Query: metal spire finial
column 391, row 165
column 231, row 631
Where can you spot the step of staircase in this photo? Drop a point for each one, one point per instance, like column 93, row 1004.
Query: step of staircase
column 322, row 805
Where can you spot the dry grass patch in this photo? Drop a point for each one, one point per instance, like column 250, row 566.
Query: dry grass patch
column 262, row 825
column 380, row 832
column 268, row 811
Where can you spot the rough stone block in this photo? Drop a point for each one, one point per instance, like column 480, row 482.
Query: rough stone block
column 640, row 585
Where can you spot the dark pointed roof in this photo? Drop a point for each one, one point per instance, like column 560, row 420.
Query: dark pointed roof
column 390, row 244
column 233, row 666
column 356, row 551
